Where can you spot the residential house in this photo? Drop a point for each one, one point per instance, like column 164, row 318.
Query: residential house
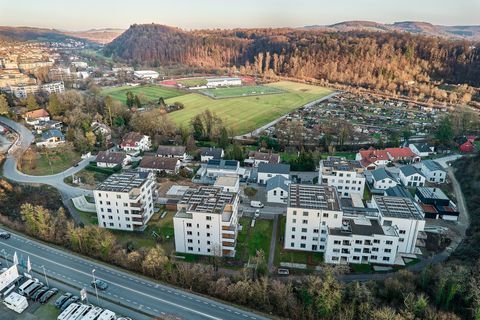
column 466, row 144
column 159, row 165
column 433, row 172
column 102, row 130
column 135, row 142
column 207, row 154
column 267, row 171
column 228, row 183
column 124, row 201
column 217, row 168
column 51, row 138
column 178, row 152
column 402, row 154
column 110, row 159
column 372, row 158
column 277, row 189
column 383, row 179
column 206, row 222
column 256, row 157
column 45, row 125
column 422, row 149
column 36, row 116
column 345, row 175
column 410, row 176
column 436, row 204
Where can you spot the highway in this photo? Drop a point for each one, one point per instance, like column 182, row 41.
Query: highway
column 142, row 296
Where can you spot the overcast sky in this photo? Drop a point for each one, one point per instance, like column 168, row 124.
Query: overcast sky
column 193, row 14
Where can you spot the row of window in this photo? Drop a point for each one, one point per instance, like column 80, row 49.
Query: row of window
column 189, row 225
column 189, row 233
column 304, row 230
column 304, row 246
column 198, row 249
column 313, row 238
column 111, row 224
column 367, row 242
column 341, row 181
column 358, row 250
column 357, row 258
column 324, row 215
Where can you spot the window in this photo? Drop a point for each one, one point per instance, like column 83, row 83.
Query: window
column 402, row 231
column 103, row 217
column 189, row 225
column 293, row 236
column 336, row 242
column 323, row 239
column 305, row 221
column 190, row 241
column 293, row 229
column 110, row 217
column 389, row 242
column 305, row 213
column 325, row 215
column 101, row 209
column 386, row 259
column 189, row 233
column 127, row 219
column 401, row 240
column 358, row 241
column 101, row 202
column 129, row 226
column 108, row 203
column 190, row 248
column 375, row 249
column 346, row 243
column 322, row 247
column 208, row 234
column 208, row 250
column 304, row 229
column 294, row 212
column 292, row 244
column 125, row 204
column 208, row 226
column 209, row 218
column 356, row 258
column 127, row 212
column 274, row 192
column 208, row 242
column 357, row 250
column 324, row 223
column 304, row 237
column 315, row 230
column 387, row 250
column 336, row 250
column 315, row 238
column 111, row 224
column 99, row 194
column 323, row 231
column 294, row 220
column 119, row 196
column 373, row 257
column 109, row 210
column 376, row 241
column 302, row 245
column 335, row 216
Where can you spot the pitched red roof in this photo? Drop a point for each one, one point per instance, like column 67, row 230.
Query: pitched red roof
column 35, row 114
column 111, row 157
column 371, row 155
column 400, row 153
column 158, row 163
column 131, row 139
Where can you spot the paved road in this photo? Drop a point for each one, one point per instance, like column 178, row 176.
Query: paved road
column 273, row 243
column 125, row 289
column 10, row 171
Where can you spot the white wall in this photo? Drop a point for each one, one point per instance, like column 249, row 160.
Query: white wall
column 384, row 183
column 277, row 195
column 414, row 180
column 262, row 177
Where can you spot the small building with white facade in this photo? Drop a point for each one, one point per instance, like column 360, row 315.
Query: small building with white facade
column 422, row 149
column 206, row 222
column 51, row 139
column 135, row 142
column 312, row 209
column 383, row 179
column 34, row 117
column 228, row 183
column 110, row 159
column 345, row 175
column 159, row 165
column 124, row 201
column 178, row 152
column 146, row 74
column 217, row 168
column 207, row 154
column 433, row 172
column 277, row 189
column 410, row 176
column 257, row 157
column 267, row 171
column 223, row 82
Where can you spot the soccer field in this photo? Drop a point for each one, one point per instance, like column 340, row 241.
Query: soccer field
column 244, row 114
column 241, row 91
column 145, row 93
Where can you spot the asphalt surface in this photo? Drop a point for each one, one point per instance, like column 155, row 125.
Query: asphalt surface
column 126, row 290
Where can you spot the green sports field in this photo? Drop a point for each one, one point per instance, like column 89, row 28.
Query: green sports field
column 245, row 114
column 242, row 91
column 192, row 82
column 145, row 93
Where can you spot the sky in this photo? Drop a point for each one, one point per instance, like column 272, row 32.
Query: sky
column 196, row 14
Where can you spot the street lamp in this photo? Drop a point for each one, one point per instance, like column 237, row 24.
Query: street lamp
column 45, row 274
column 95, row 286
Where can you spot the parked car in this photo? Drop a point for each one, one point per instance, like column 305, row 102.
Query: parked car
column 5, row 235
column 257, row 213
column 62, row 299
column 38, row 294
column 69, row 302
column 100, row 284
column 45, row 297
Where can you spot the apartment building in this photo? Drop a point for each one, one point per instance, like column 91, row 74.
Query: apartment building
column 346, row 175
column 22, row 91
column 206, row 222
column 312, row 209
column 124, row 201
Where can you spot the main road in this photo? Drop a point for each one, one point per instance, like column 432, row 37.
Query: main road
column 141, row 295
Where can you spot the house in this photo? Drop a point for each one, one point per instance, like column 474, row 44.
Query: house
column 51, row 138
column 433, row 172
column 422, row 149
column 383, row 179
column 178, row 152
column 402, row 154
column 159, row 165
column 217, row 168
column 207, row 154
column 36, row 116
column 135, row 142
column 345, row 175
column 411, row 176
column 372, row 158
column 124, row 201
column 267, row 171
column 277, row 189
column 102, row 130
column 206, row 222
column 45, row 125
column 228, row 183
column 110, row 159
column 436, row 204
column 256, row 157
column 467, row 147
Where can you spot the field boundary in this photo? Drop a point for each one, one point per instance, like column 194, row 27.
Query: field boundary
column 206, row 92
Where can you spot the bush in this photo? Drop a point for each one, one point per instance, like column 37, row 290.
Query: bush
column 250, row 192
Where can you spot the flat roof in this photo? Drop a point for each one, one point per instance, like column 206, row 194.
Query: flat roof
column 397, row 207
column 313, row 197
column 123, row 182
column 341, row 164
column 207, row 199
column 227, row 181
column 358, row 226
column 432, row 193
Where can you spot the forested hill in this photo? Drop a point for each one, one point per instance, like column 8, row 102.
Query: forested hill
column 382, row 60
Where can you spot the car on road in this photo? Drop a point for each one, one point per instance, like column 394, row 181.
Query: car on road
column 62, row 299
column 5, row 235
column 257, row 213
column 69, row 302
column 100, row 284
column 50, row 293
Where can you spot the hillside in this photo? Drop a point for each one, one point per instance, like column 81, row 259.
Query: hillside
column 32, row 34
column 388, row 61
column 101, row 36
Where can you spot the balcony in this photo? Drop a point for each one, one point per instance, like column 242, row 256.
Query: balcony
column 228, row 244
column 137, row 204
column 228, row 236
column 228, row 253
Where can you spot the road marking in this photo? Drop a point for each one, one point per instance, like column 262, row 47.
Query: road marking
column 118, row 285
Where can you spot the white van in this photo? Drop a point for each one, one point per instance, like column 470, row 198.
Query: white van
column 68, row 311
column 80, row 312
column 256, row 204
column 107, row 315
column 25, row 285
column 16, row 302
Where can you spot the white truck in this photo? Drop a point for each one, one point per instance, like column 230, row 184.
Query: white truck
column 16, row 302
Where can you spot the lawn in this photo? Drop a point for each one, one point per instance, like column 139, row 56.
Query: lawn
column 87, row 178
column 240, row 91
column 244, row 114
column 192, row 82
column 293, row 256
column 145, row 93
column 48, row 311
column 250, row 240
column 88, row 217
column 49, row 161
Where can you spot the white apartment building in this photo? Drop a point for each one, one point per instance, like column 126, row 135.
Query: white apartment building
column 361, row 240
column 433, row 171
column 346, row 175
column 22, row 91
column 124, row 201
column 312, row 209
column 228, row 183
column 206, row 222
column 405, row 215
